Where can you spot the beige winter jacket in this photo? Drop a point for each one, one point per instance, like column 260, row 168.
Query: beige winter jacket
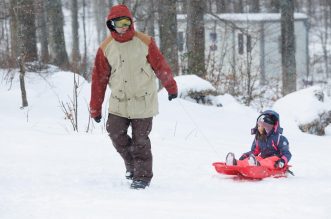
column 132, row 80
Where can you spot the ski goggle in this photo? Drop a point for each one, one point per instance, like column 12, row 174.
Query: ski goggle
column 122, row 22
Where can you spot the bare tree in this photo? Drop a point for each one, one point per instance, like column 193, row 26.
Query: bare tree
column 24, row 16
column 144, row 14
column 100, row 9
column 196, row 37
column 13, row 32
column 238, row 6
column 151, row 18
column 221, row 6
column 4, row 34
column 324, row 34
column 110, row 3
column 24, row 28
column 75, row 54
column 168, row 32
column 85, row 73
column 43, row 30
column 274, row 6
column 288, row 47
column 254, row 6
column 58, row 51
column 20, row 61
column 182, row 6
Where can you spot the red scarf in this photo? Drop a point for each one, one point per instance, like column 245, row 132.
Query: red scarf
column 128, row 35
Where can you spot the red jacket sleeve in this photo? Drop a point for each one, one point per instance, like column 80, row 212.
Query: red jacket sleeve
column 161, row 68
column 100, row 78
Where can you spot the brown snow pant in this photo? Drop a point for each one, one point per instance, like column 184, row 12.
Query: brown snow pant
column 135, row 151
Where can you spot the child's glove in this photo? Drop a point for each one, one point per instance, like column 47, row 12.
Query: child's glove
column 98, row 118
column 280, row 163
column 172, row 96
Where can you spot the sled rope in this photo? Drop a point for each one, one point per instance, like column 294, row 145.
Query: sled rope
column 197, row 127
column 290, row 172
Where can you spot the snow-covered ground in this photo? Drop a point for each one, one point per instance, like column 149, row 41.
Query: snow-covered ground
column 49, row 171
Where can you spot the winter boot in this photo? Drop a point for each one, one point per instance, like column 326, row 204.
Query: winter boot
column 139, row 184
column 129, row 175
column 230, row 160
column 252, row 160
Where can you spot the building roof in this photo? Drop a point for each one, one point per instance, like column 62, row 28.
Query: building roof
column 247, row 16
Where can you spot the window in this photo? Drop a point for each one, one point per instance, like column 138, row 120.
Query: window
column 180, row 41
column 213, row 37
column 249, row 44
column 280, row 44
column 240, row 43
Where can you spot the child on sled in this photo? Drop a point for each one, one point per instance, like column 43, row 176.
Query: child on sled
column 270, row 148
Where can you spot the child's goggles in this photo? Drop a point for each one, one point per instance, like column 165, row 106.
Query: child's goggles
column 121, row 22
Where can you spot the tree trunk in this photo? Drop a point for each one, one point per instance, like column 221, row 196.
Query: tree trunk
column 5, row 35
column 254, row 6
column 26, row 29
column 311, row 12
column 195, row 38
column 13, row 33
column 110, row 3
column 151, row 19
column 100, row 8
column 44, row 53
column 238, row 6
column 274, row 6
column 221, row 6
column 85, row 74
column 325, row 36
column 20, row 61
column 168, row 32
column 145, row 16
column 75, row 54
column 209, row 6
column 139, row 12
column 288, row 47
column 58, row 51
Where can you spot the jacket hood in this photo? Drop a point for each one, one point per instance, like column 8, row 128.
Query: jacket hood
column 119, row 11
column 116, row 12
column 275, row 116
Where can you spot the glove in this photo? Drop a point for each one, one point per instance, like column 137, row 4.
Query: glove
column 97, row 118
column 280, row 163
column 172, row 96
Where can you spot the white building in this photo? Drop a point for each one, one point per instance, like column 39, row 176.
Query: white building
column 241, row 42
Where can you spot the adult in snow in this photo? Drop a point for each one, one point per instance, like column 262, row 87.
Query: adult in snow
column 129, row 62
column 270, row 148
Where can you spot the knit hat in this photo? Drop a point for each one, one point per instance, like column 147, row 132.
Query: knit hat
column 267, row 122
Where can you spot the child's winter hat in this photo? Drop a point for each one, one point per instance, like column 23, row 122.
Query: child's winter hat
column 267, row 122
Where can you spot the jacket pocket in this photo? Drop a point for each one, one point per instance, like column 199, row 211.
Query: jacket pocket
column 117, row 102
column 140, row 102
column 147, row 71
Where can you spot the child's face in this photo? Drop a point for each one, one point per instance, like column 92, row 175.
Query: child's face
column 121, row 30
column 260, row 128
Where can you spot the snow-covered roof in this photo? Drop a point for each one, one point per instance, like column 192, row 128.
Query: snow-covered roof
column 248, row 16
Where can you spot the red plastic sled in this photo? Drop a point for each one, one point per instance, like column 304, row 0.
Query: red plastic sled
column 251, row 172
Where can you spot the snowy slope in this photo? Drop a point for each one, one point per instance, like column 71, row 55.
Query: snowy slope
column 49, row 171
